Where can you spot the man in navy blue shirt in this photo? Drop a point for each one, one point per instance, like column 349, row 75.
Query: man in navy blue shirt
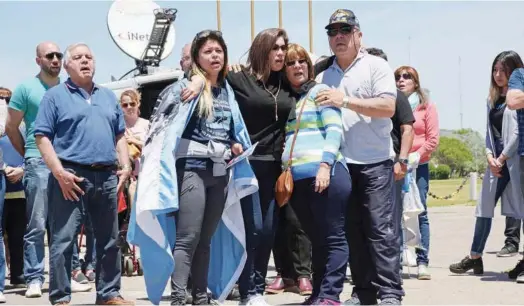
column 79, row 131
column 515, row 100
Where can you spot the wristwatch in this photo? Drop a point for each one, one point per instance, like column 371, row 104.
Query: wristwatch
column 345, row 102
column 403, row 161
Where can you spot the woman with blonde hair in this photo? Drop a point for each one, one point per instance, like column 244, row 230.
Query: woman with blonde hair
column 136, row 132
column 425, row 142
column 502, row 177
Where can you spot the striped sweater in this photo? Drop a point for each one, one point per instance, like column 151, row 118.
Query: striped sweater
column 319, row 136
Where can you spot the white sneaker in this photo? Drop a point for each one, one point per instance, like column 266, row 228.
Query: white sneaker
column 34, row 290
column 2, row 298
column 423, row 273
column 256, row 300
column 78, row 287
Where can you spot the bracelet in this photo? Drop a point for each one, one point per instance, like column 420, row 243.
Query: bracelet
column 126, row 167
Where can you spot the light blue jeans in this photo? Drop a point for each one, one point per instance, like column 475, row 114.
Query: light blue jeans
column 2, row 254
column 35, row 184
column 423, row 187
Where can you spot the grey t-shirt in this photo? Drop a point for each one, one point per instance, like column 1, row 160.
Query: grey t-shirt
column 367, row 140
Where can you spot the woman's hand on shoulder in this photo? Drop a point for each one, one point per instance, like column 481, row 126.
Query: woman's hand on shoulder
column 235, row 68
column 193, row 89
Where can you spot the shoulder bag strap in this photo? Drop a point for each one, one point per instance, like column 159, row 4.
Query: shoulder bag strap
column 296, row 131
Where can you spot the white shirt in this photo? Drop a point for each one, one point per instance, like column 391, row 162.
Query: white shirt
column 367, row 140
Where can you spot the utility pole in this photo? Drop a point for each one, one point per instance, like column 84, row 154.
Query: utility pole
column 409, row 50
column 460, row 92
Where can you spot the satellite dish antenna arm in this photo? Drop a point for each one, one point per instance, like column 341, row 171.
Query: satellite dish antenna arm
column 152, row 55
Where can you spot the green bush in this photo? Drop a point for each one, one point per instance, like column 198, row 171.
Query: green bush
column 432, row 172
column 442, row 172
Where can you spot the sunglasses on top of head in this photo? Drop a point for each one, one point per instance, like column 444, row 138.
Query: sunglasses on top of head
column 206, row 33
column 345, row 30
column 405, row 76
column 292, row 63
column 126, row 105
column 50, row 56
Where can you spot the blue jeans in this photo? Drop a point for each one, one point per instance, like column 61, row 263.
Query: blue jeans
column 2, row 254
column 423, row 188
column 35, row 184
column 483, row 225
column 260, row 222
column 90, row 256
column 65, row 217
column 322, row 216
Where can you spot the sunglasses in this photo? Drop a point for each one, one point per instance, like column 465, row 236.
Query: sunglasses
column 279, row 47
column 206, row 33
column 405, row 76
column 292, row 63
column 51, row 56
column 342, row 30
column 126, row 105
column 6, row 98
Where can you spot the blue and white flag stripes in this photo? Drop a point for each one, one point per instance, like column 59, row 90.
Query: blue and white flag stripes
column 152, row 226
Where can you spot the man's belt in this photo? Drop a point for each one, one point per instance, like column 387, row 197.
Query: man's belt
column 92, row 167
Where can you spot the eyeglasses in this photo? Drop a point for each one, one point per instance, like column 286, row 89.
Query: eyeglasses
column 405, row 76
column 292, row 63
column 206, row 33
column 342, row 30
column 279, row 47
column 6, row 98
column 50, row 56
column 126, row 105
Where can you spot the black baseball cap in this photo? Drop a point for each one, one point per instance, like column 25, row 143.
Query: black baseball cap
column 343, row 16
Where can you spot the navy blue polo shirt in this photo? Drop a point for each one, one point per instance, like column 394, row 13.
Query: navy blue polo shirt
column 82, row 128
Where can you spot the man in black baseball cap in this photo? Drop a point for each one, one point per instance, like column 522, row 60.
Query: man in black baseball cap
column 343, row 16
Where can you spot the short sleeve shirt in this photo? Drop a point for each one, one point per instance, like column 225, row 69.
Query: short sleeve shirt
column 367, row 140
column 82, row 127
column 26, row 98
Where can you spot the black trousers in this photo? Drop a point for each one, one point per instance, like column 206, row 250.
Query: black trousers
column 512, row 231
column 373, row 233
column 15, row 223
column 292, row 248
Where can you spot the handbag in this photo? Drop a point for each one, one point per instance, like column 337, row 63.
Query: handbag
column 134, row 151
column 284, row 185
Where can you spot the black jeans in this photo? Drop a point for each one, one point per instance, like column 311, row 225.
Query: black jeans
column 260, row 224
column 202, row 197
column 512, row 232
column 373, row 233
column 292, row 249
column 15, row 222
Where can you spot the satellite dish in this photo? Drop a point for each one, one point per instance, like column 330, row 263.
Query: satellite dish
column 130, row 23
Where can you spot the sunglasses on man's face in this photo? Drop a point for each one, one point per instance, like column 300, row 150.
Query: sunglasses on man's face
column 342, row 30
column 405, row 76
column 6, row 98
column 126, row 105
column 292, row 63
column 50, row 56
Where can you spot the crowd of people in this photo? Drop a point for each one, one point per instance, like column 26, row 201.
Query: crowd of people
column 335, row 140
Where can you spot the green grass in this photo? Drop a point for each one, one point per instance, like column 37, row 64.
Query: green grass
column 443, row 188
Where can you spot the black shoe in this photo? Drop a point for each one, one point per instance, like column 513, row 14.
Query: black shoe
column 515, row 272
column 507, row 251
column 467, row 264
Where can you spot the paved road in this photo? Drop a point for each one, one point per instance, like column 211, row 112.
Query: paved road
column 451, row 234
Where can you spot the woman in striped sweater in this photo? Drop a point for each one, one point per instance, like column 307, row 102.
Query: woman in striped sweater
column 322, row 181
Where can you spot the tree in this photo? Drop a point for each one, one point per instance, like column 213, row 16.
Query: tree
column 454, row 153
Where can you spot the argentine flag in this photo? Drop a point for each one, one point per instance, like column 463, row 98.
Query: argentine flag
column 152, row 227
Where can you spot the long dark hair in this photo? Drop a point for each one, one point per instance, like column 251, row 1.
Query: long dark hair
column 205, row 105
column 257, row 60
column 510, row 60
